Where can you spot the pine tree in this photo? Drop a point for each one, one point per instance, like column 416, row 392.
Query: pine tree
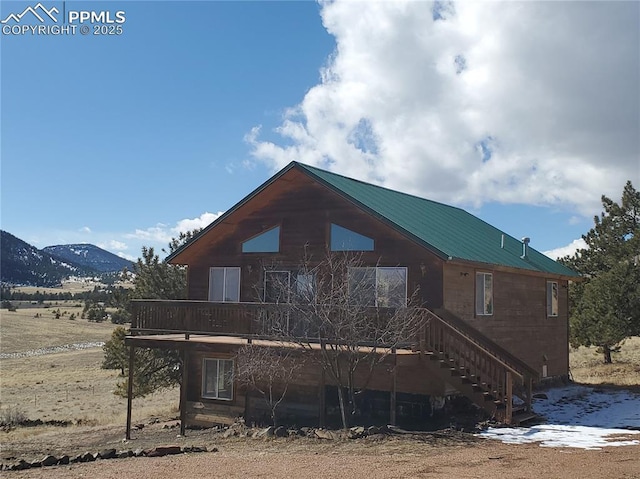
column 606, row 305
column 154, row 368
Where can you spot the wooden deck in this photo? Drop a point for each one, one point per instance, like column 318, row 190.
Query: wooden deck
column 458, row 354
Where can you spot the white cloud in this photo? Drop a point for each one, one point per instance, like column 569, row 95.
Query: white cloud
column 569, row 249
column 161, row 234
column 113, row 245
column 85, row 229
column 127, row 256
column 517, row 102
column 189, row 224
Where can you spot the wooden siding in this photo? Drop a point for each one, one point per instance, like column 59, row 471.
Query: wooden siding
column 305, row 210
column 519, row 322
column 303, row 399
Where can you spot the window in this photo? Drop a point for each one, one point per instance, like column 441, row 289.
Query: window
column 217, row 379
column 343, row 239
column 381, row 287
column 267, row 242
column 277, row 286
column 305, row 288
column 484, row 294
column 224, row 284
column 552, row 298
column 280, row 285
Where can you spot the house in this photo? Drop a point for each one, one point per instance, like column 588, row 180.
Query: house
column 495, row 310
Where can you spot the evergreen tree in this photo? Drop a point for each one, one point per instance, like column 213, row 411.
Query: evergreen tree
column 154, row 368
column 606, row 305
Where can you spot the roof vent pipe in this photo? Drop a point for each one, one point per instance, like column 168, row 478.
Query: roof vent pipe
column 502, row 242
column 525, row 246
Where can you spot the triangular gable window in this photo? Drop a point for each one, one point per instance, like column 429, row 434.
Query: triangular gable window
column 267, row 242
column 343, row 239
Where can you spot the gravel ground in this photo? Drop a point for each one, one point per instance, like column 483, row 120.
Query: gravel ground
column 444, row 454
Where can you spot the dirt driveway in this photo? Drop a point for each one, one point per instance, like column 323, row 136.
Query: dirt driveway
column 454, row 455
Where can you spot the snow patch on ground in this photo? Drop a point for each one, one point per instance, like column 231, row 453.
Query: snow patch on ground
column 581, row 417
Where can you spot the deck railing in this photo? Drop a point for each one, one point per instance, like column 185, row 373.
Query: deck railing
column 470, row 352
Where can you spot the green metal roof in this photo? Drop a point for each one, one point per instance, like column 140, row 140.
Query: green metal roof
column 448, row 231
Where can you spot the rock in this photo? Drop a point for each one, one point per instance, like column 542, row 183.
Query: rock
column 540, row 396
column 49, row 460
column 356, row 432
column 372, row 430
column 230, row 433
column 139, row 453
column 163, row 451
column 213, row 449
column 35, row 464
column 268, row 432
column 63, row 460
column 20, row 465
column 325, row 434
column 87, row 457
column 107, row 454
column 75, row 459
column 280, row 431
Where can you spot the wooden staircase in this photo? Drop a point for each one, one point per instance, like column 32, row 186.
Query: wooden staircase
column 479, row 368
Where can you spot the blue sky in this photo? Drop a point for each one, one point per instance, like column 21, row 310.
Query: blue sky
column 524, row 114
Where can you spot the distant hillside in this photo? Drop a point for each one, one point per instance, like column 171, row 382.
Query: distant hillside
column 24, row 264
column 21, row 263
column 89, row 256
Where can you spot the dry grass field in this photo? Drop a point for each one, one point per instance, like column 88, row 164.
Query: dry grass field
column 587, row 365
column 22, row 331
column 67, row 385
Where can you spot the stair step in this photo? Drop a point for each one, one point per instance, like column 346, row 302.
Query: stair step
column 517, row 419
column 487, row 396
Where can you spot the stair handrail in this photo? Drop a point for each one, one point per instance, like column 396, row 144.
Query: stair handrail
column 489, row 347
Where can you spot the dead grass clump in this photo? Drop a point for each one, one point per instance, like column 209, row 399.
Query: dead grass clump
column 12, row 416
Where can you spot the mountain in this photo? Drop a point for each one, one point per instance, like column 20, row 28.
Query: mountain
column 21, row 263
column 24, row 264
column 89, row 256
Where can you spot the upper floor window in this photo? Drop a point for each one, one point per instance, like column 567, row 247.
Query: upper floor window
column 552, row 298
column 343, row 239
column 285, row 286
column 267, row 242
column 224, row 284
column 382, row 287
column 484, row 294
column 277, row 287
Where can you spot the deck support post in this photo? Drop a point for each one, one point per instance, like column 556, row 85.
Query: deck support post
column 508, row 397
column 183, row 391
column 529, row 393
column 322, row 406
column 394, row 382
column 130, row 391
